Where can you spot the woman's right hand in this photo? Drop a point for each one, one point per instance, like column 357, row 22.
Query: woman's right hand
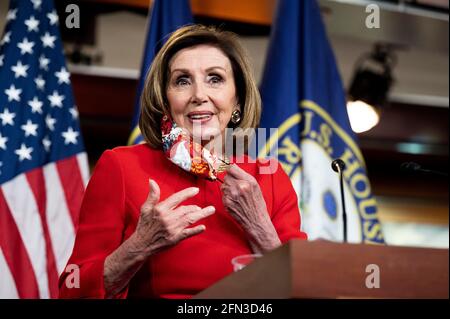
column 164, row 224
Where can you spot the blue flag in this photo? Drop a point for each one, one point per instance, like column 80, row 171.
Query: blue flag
column 166, row 16
column 303, row 97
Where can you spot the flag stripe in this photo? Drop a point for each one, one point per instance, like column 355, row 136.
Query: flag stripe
column 72, row 184
column 84, row 168
column 7, row 286
column 23, row 207
column 59, row 218
column 36, row 180
column 16, row 256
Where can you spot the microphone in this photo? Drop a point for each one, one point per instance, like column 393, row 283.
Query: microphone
column 338, row 166
column 414, row 167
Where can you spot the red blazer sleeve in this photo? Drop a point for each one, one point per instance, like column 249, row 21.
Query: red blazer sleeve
column 100, row 229
column 285, row 212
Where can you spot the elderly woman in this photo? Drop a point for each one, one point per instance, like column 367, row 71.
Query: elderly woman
column 163, row 219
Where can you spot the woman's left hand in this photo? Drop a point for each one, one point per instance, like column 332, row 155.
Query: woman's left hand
column 244, row 200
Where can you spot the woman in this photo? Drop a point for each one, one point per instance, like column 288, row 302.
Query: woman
column 165, row 218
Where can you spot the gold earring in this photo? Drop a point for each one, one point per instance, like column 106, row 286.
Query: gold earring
column 236, row 116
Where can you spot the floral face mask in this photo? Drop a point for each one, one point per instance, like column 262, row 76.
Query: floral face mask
column 181, row 150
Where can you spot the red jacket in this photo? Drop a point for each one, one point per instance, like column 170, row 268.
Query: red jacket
column 110, row 211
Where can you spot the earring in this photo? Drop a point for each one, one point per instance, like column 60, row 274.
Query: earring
column 236, row 116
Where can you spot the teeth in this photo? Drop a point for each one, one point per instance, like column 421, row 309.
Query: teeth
column 199, row 117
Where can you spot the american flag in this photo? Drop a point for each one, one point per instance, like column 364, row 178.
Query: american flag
column 43, row 166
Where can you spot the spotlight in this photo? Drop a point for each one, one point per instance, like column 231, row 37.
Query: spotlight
column 370, row 86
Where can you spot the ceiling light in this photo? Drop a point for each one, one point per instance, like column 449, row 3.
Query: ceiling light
column 370, row 87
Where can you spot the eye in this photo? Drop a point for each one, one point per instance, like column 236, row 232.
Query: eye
column 215, row 78
column 182, row 80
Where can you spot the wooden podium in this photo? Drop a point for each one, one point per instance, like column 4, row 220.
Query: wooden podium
column 321, row 269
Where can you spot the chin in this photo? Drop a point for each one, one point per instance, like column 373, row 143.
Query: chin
column 207, row 134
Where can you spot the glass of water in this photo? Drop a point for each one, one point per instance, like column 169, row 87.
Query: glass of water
column 241, row 261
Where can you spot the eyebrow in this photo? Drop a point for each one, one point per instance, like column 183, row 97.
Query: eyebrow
column 207, row 70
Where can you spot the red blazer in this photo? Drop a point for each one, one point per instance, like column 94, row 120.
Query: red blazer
column 110, row 211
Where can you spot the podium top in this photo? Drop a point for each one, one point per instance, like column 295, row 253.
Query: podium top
column 322, row 269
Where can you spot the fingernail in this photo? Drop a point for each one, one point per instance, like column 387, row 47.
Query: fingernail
column 211, row 209
column 195, row 190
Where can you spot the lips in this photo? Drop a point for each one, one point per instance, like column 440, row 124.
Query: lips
column 200, row 116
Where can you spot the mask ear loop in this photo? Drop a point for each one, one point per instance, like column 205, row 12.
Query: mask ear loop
column 226, row 163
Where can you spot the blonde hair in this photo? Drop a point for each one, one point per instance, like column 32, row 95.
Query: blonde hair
column 153, row 99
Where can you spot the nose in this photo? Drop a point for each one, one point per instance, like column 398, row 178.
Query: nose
column 199, row 95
